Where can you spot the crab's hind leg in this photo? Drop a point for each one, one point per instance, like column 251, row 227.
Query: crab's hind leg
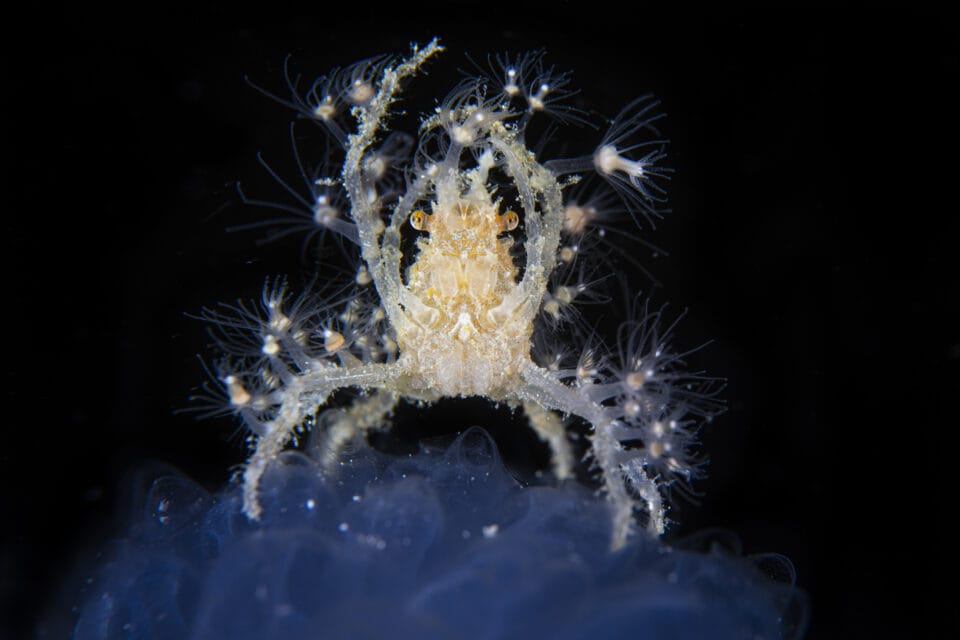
column 338, row 427
column 623, row 478
column 550, row 428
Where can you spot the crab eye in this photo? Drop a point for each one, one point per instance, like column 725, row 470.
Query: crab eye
column 418, row 220
column 508, row 221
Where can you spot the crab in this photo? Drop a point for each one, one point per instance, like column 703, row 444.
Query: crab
column 497, row 231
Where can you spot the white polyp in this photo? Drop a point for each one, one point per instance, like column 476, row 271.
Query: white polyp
column 511, row 88
column 576, row 218
column 461, row 135
column 677, row 467
column 278, row 320
column 377, row 167
column 552, row 307
column 325, row 110
column 361, row 92
column 271, row 346
column 608, row 160
column 536, row 100
column 565, row 295
column 238, row 395
column 635, row 380
column 333, row 340
column 363, row 276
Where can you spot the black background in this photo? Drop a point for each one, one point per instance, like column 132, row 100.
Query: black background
column 813, row 239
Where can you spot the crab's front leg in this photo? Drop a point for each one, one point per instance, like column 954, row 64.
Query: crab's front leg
column 299, row 398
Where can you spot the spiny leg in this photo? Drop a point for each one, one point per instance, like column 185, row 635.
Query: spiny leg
column 341, row 426
column 620, row 469
column 550, row 428
column 604, row 449
column 644, row 485
column 276, row 434
column 299, row 398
